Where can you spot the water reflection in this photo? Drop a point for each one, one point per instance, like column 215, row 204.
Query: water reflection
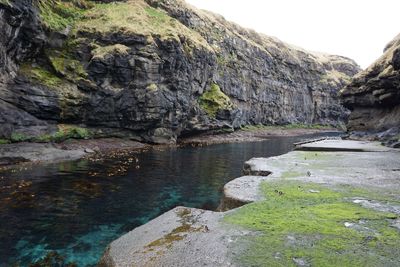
column 77, row 208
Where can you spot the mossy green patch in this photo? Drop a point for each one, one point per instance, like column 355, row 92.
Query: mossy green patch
column 70, row 132
column 4, row 141
column 57, row 15
column 64, row 132
column 307, row 221
column 18, row 137
column 66, row 66
column 213, row 100
column 40, row 75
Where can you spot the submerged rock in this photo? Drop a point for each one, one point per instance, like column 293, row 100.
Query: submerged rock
column 155, row 69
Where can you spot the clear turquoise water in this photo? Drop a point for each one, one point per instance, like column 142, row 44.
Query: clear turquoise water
column 77, row 208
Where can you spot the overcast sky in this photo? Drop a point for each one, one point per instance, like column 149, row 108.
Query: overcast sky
column 358, row 29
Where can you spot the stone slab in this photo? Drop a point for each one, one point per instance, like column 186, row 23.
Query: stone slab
column 343, row 145
column 179, row 237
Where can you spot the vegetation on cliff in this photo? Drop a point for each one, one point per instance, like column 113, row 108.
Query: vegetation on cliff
column 214, row 100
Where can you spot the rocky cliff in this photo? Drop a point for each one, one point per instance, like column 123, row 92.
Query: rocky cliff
column 152, row 70
column 374, row 95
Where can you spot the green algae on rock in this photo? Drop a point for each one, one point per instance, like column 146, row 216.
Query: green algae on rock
column 319, row 226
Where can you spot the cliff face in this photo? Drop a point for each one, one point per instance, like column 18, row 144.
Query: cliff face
column 374, row 94
column 153, row 70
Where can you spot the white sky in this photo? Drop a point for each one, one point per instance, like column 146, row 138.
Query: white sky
column 358, row 29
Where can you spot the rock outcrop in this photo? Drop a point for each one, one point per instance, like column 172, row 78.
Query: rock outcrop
column 373, row 96
column 153, row 70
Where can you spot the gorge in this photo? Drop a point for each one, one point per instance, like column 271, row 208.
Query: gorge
column 113, row 112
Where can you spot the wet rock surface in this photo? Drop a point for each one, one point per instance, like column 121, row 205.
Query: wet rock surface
column 149, row 80
column 13, row 154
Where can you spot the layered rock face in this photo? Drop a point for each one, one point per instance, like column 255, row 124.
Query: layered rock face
column 374, row 94
column 154, row 70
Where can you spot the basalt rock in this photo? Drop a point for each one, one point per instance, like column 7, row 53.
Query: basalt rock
column 144, row 67
column 373, row 97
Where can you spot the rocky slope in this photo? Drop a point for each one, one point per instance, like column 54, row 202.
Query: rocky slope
column 152, row 70
column 374, row 95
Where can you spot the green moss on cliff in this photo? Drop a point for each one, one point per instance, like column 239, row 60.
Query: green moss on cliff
column 70, row 132
column 322, row 227
column 213, row 100
column 68, row 67
column 64, row 132
column 40, row 75
column 56, row 15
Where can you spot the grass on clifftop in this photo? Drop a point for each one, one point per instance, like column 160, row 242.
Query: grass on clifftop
column 213, row 100
column 136, row 17
column 316, row 226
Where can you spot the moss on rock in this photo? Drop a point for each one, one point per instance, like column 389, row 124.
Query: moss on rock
column 213, row 100
column 315, row 225
column 40, row 75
